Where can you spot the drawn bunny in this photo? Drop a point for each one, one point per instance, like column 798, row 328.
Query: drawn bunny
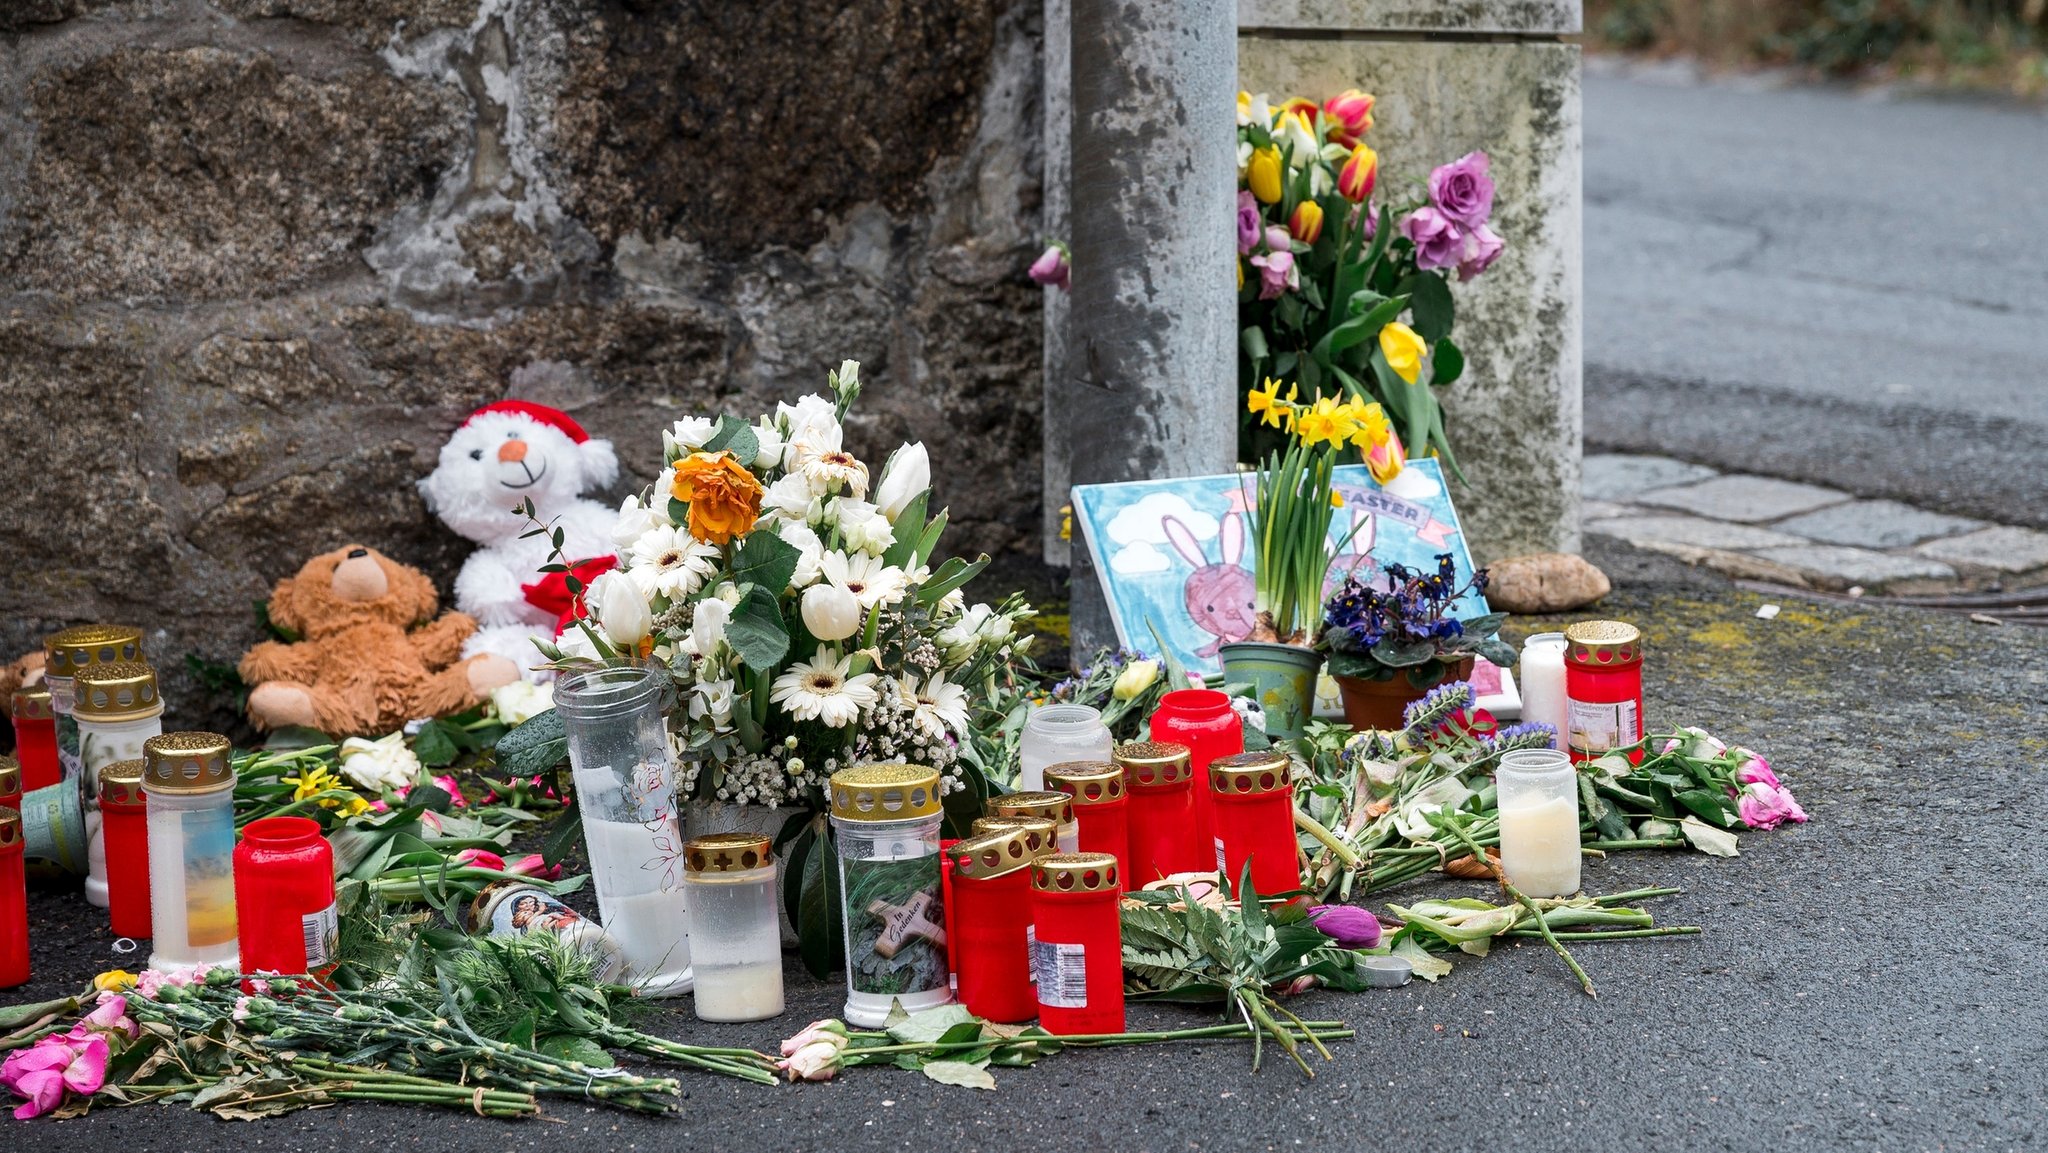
column 1356, row 560
column 1220, row 596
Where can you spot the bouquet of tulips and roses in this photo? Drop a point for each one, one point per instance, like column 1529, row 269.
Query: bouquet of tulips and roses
column 1327, row 272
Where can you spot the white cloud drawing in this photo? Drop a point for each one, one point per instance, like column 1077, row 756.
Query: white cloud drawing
column 1137, row 559
column 1144, row 521
column 1411, row 484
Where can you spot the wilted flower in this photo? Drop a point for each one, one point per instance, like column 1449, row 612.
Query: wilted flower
column 446, row 783
column 384, row 763
column 1277, row 273
column 1694, row 742
column 43, row 1072
column 1763, row 806
column 1348, row 926
column 1053, row 268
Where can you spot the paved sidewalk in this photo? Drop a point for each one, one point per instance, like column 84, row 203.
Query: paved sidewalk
column 1801, row 534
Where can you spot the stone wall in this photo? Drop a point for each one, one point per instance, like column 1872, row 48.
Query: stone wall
column 257, row 257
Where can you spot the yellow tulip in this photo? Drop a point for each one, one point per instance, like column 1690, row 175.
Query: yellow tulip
column 1262, row 175
column 1403, row 349
column 114, row 981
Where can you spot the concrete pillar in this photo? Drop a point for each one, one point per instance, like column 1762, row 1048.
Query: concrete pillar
column 1454, row 76
column 1150, row 387
column 1058, row 106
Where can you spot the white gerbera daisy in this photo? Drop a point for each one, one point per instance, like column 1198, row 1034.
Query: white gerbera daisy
column 866, row 577
column 824, row 689
column 834, row 468
column 670, row 562
column 936, row 706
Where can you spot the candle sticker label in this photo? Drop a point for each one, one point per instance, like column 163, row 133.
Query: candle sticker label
column 53, row 828
column 320, row 931
column 1597, row 726
column 895, row 927
column 1061, row 973
column 1222, row 870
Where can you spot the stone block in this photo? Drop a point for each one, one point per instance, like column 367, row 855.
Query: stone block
column 1624, row 477
column 1521, row 17
column 1750, row 499
column 2002, row 548
column 1838, row 566
column 1879, row 524
column 1692, row 530
column 1514, row 418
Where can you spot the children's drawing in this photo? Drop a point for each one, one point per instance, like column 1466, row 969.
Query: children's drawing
column 1219, row 595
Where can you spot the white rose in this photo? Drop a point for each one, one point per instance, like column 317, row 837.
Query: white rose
column 830, row 613
column 908, row 473
column 808, row 551
column 575, row 644
column 793, row 498
column 618, row 606
column 635, row 521
column 712, row 700
column 688, row 435
column 773, row 447
column 809, row 414
column 380, row 765
column 707, row 627
column 862, row 526
column 520, row 700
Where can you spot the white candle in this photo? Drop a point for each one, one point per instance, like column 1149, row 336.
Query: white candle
column 1539, row 822
column 1542, row 676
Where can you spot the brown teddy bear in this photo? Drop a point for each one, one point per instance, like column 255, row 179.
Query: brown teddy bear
column 24, row 671
column 361, row 667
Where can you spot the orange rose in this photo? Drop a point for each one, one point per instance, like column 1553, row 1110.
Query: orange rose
column 724, row 498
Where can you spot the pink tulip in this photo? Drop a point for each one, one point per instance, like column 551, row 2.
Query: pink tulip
column 1347, row 926
column 480, row 859
column 1052, row 268
column 533, row 865
column 43, row 1072
column 446, row 783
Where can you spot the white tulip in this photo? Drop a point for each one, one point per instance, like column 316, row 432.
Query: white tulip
column 908, row 473
column 831, row 613
column 707, row 626
column 772, row 445
column 621, row 611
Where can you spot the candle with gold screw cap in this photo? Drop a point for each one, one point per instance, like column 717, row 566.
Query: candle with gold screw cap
column 1100, row 807
column 14, row 969
column 188, row 783
column 735, row 934
column 1160, row 782
column 66, row 653
column 1077, row 943
column 124, row 828
column 991, row 916
column 1254, row 807
column 1050, row 804
column 116, row 707
column 885, row 823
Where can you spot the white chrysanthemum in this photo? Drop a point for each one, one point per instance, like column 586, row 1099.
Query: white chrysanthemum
column 637, row 520
column 809, row 550
column 862, row 526
column 793, row 498
column 824, row 689
column 866, row 577
column 670, row 562
column 937, row 707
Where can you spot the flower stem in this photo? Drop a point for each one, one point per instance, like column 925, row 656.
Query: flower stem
column 1450, row 824
column 1612, row 934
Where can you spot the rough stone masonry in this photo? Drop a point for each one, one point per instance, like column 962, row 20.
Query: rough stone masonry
column 258, row 257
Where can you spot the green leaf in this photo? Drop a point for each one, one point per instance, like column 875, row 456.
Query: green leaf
column 678, row 511
column 583, row 1050
column 435, row 745
column 931, row 1025
column 756, row 631
column 818, row 925
column 737, row 437
column 975, row 1076
column 909, row 531
column 1360, row 328
column 1398, row 654
column 1708, row 839
column 765, row 559
column 1710, row 804
column 564, row 838
column 1427, row 965
column 1429, row 296
column 1254, row 341
column 1447, row 362
column 536, row 746
column 951, row 575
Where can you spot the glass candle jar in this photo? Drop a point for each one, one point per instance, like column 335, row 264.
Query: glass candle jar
column 1056, row 733
column 1543, row 692
column 1160, row 785
column 188, row 783
column 13, row 903
column 1051, row 804
column 1100, row 808
column 1538, row 793
column 66, row 653
column 1203, row 720
column 284, row 896
column 1255, row 821
column 625, row 786
column 116, row 707
column 735, row 936
column 124, row 825
column 1077, row 957
column 991, row 920
column 35, row 738
column 1603, row 677
column 10, row 783
column 885, row 821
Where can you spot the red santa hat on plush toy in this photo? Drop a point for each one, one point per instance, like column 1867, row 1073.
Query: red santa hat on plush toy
column 552, row 417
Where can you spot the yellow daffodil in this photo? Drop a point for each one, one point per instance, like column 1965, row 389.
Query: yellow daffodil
column 1403, row 349
column 114, row 981
column 1372, row 428
column 1325, row 421
column 1336, row 499
column 1262, row 175
column 1273, row 409
column 320, row 779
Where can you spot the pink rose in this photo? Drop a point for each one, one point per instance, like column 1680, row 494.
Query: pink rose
column 1052, row 268
column 1696, row 742
column 828, row 1031
column 1764, row 806
column 1755, row 770
column 1463, row 189
column 1482, row 248
column 1437, row 241
column 818, row 1061
column 43, row 1072
column 111, row 1016
column 1277, row 273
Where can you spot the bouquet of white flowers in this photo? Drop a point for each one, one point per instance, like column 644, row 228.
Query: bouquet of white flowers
column 789, row 591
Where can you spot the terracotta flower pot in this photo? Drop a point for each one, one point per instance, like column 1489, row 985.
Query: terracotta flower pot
column 1283, row 681
column 1371, row 704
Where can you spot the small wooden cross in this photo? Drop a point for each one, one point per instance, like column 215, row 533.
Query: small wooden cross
column 902, row 924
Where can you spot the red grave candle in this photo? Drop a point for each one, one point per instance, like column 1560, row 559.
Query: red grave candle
column 1255, row 821
column 124, row 825
column 284, row 896
column 1077, row 955
column 1203, row 720
column 35, row 738
column 990, row 922
column 1603, row 688
column 1100, row 807
column 1160, row 786
column 13, row 903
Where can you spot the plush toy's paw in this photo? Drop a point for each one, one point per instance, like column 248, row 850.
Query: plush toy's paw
column 279, row 704
column 491, row 671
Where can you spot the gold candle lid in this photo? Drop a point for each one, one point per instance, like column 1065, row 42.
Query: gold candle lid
column 10, row 828
column 116, row 691
column 32, row 704
column 1055, row 807
column 728, row 852
column 1040, row 835
column 188, row 763
column 1154, row 764
column 1076, row 873
column 10, row 776
column 995, row 853
column 1087, row 782
column 1603, row 644
column 1250, row 773
column 69, row 650
column 121, row 783
column 885, row 793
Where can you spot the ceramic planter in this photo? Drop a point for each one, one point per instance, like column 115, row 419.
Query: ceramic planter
column 1371, row 704
column 1282, row 680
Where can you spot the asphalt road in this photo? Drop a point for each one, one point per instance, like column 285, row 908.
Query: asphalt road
column 1867, row 981
column 1821, row 284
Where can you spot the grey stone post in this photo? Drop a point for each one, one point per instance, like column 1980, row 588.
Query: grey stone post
column 1150, row 383
column 1059, row 130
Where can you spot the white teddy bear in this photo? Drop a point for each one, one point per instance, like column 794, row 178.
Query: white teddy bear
column 506, row 453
